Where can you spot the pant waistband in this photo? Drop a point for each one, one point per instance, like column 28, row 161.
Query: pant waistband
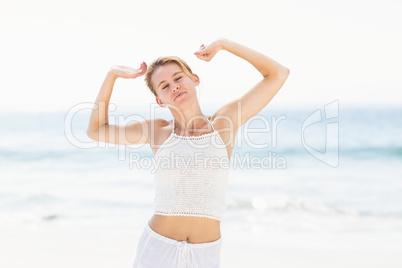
column 175, row 242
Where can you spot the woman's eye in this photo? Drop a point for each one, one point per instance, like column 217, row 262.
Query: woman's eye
column 179, row 78
column 165, row 87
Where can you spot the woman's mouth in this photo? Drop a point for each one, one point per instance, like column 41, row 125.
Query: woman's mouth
column 180, row 94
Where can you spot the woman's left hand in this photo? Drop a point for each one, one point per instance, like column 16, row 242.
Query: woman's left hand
column 208, row 52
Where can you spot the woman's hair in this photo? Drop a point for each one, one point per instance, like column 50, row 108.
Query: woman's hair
column 162, row 61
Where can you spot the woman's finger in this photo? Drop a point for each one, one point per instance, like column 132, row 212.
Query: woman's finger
column 142, row 68
column 200, row 52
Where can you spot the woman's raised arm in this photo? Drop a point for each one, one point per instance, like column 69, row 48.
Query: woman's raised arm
column 253, row 101
column 99, row 128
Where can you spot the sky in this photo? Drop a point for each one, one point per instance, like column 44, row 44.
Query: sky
column 55, row 54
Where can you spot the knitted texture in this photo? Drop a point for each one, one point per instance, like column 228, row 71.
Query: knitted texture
column 191, row 176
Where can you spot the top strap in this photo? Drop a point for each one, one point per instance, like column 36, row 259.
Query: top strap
column 205, row 118
column 209, row 123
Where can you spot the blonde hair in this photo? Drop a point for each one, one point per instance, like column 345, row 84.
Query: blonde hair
column 162, row 61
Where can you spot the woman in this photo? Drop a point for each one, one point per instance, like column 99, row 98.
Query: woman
column 190, row 191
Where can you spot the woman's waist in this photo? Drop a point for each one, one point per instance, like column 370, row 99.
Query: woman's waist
column 186, row 228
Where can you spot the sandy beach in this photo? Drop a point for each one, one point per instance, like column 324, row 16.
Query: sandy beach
column 73, row 249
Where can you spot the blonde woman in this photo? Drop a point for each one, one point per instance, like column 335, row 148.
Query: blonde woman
column 189, row 193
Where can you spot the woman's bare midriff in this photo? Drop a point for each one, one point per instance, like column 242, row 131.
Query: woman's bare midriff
column 185, row 228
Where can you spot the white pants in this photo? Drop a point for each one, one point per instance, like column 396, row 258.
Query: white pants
column 155, row 250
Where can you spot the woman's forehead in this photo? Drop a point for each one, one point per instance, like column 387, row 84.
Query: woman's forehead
column 166, row 71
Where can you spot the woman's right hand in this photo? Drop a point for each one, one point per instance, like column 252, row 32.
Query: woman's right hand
column 128, row 72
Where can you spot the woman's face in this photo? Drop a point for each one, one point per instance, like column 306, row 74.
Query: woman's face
column 173, row 86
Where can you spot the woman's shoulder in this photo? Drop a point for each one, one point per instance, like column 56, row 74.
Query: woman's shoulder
column 163, row 123
column 162, row 127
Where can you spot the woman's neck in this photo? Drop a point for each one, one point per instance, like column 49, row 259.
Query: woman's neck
column 190, row 121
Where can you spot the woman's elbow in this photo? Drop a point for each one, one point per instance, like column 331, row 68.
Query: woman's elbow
column 91, row 134
column 285, row 71
column 281, row 72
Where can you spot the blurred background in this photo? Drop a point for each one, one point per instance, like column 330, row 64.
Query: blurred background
column 328, row 178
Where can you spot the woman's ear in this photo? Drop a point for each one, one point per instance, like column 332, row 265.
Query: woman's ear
column 159, row 102
column 196, row 80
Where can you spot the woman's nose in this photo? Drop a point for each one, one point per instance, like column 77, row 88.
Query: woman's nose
column 176, row 87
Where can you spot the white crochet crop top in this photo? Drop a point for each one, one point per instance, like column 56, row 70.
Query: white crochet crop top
column 191, row 176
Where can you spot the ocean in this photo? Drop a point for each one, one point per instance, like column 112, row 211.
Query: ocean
column 324, row 169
